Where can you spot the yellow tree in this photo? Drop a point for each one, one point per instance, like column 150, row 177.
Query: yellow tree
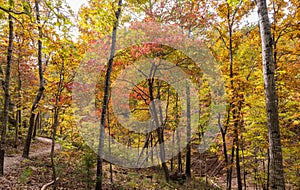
column 11, row 9
column 227, row 33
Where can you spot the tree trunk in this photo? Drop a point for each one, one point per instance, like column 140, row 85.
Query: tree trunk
column 19, row 103
column 236, row 118
column 173, row 145
column 224, row 145
column 109, row 147
column 159, row 127
column 244, row 166
column 178, row 137
column 268, row 170
column 16, row 130
column 238, row 167
column 41, row 87
column 54, row 127
column 276, row 166
column 235, row 113
column 56, row 121
column 6, row 93
column 36, row 123
column 229, row 178
column 188, row 131
column 99, row 173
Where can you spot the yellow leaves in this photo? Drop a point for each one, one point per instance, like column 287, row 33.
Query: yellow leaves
column 222, row 10
column 137, row 1
column 296, row 123
column 97, row 17
column 2, row 14
column 233, row 3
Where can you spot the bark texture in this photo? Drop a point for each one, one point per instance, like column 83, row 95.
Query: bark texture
column 6, row 94
column 276, row 166
column 41, row 87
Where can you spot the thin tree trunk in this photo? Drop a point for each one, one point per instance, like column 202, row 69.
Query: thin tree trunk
column 54, row 127
column 99, row 173
column 41, row 87
column 178, row 137
column 6, row 93
column 235, row 113
column 276, row 165
column 173, row 145
column 56, row 122
column 236, row 118
column 151, row 144
column 179, row 154
column 36, row 125
column 255, row 171
column 40, row 124
column 238, row 167
column 188, row 131
column 16, row 130
column 223, row 134
column 268, row 170
column 109, row 147
column 244, row 166
column 159, row 128
column 19, row 112
column 233, row 104
column 230, row 169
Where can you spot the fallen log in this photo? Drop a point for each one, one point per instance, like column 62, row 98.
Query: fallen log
column 48, row 184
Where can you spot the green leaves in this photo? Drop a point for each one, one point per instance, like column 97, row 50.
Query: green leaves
column 2, row 14
column 11, row 3
column 27, row 9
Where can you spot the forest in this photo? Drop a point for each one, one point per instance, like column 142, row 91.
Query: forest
column 150, row 94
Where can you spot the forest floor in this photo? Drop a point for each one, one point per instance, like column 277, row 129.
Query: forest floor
column 39, row 148
column 77, row 172
column 15, row 169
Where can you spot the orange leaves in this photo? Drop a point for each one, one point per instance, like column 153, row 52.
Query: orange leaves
column 148, row 19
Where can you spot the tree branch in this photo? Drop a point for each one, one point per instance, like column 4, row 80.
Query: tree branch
column 10, row 11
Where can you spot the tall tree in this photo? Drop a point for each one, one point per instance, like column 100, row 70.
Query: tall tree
column 105, row 99
column 41, row 86
column 57, row 108
column 226, row 24
column 276, row 166
column 18, row 105
column 6, row 92
column 160, row 129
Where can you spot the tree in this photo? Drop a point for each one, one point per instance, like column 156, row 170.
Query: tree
column 57, row 108
column 276, row 166
column 226, row 29
column 6, row 92
column 188, row 131
column 41, row 86
column 105, row 99
column 156, row 112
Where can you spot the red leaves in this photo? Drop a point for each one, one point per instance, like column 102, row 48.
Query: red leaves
column 63, row 100
column 138, row 51
column 69, row 86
